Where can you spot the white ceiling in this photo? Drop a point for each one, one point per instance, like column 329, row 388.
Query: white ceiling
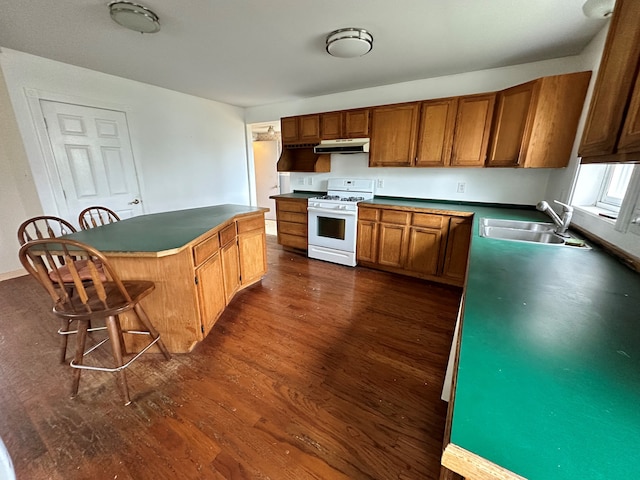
column 251, row 52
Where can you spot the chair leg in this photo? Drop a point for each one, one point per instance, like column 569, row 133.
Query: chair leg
column 115, row 337
column 80, row 344
column 142, row 315
column 64, row 338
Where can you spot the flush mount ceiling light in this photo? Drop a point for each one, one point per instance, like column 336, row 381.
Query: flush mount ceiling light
column 598, row 8
column 349, row 42
column 134, row 17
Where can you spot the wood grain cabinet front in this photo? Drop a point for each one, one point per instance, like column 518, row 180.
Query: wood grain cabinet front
column 300, row 130
column 252, row 249
column 291, row 217
column 535, row 123
column 612, row 129
column 211, row 293
column 345, row 124
column 471, row 134
column 394, row 130
column 414, row 243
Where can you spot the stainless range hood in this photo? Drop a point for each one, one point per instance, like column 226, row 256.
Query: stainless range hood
column 348, row 145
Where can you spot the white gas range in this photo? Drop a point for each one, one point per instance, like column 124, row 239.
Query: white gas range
column 333, row 220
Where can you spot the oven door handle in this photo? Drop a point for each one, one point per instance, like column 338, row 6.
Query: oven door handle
column 344, row 213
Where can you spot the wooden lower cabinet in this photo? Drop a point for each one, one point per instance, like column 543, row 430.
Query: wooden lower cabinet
column 415, row 243
column 211, row 297
column 457, row 252
column 252, row 248
column 230, row 269
column 291, row 215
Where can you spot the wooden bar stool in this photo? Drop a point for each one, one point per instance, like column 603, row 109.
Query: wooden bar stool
column 96, row 216
column 101, row 298
column 48, row 226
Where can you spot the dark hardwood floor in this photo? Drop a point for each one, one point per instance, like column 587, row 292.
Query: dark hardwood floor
column 318, row 372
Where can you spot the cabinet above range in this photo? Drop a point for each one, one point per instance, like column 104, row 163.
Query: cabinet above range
column 532, row 125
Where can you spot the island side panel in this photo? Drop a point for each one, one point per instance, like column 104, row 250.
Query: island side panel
column 173, row 306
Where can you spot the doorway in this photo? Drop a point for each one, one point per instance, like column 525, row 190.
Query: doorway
column 93, row 159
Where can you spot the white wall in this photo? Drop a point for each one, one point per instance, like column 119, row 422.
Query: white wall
column 516, row 186
column 188, row 151
column 18, row 198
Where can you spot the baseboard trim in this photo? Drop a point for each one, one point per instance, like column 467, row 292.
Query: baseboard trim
column 14, row 274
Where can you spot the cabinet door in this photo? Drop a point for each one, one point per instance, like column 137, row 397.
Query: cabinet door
column 435, row 136
column 457, row 251
column 367, row 241
column 331, row 125
column 423, row 254
column 512, row 112
column 356, row 123
column 473, row 124
column 211, row 293
column 630, row 137
column 616, row 76
column 289, row 129
column 309, row 128
column 230, row 269
column 392, row 245
column 393, row 135
column 252, row 248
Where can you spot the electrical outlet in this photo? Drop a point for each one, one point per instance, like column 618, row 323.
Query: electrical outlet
column 309, row 180
column 461, row 187
column 380, row 183
column 300, row 180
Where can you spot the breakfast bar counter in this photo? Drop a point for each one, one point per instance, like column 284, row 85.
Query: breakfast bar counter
column 197, row 258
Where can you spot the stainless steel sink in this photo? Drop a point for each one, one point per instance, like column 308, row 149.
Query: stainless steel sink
column 532, row 232
column 517, row 224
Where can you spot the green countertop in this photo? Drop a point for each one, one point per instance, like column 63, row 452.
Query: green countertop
column 549, row 369
column 160, row 233
column 298, row 195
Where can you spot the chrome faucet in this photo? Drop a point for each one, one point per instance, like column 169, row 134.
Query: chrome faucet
column 562, row 224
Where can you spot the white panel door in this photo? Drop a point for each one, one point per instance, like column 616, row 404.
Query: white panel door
column 265, row 158
column 93, row 158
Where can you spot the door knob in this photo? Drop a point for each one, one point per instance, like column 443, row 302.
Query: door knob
column 135, row 202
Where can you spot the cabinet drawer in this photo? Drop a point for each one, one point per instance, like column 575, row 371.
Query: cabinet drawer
column 292, row 217
column 292, row 205
column 205, row 249
column 250, row 223
column 292, row 241
column 293, row 228
column 368, row 214
column 394, row 216
column 429, row 220
column 228, row 234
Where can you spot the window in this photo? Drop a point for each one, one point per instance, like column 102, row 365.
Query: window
column 614, row 186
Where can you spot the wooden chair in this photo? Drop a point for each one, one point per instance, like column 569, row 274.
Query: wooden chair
column 95, row 216
column 48, row 226
column 100, row 299
column 43, row 227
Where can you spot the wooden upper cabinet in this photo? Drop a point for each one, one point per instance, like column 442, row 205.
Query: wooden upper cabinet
column 511, row 115
column 356, row 123
column 331, row 125
column 301, row 129
column 435, row 135
column 345, row 124
column 630, row 136
column 289, row 129
column 614, row 104
column 535, row 123
column 473, row 124
column 393, row 135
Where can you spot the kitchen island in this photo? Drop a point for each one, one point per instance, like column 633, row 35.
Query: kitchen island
column 547, row 384
column 197, row 258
